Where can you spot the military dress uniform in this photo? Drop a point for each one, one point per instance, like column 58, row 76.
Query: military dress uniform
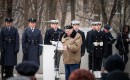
column 77, row 23
column 96, row 41
column 53, row 35
column 90, row 47
column 9, row 48
column 89, row 50
column 30, row 44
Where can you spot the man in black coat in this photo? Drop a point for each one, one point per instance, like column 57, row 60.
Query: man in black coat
column 76, row 25
column 31, row 39
column 9, row 47
column 89, row 50
column 53, row 33
column 96, row 43
column 109, row 41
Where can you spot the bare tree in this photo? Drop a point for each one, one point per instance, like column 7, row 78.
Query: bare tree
column 9, row 8
column 72, row 2
column 63, row 11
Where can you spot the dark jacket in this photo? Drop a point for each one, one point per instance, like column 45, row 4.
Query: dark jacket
column 30, row 45
column 89, row 49
column 122, row 45
column 108, row 44
column 83, row 42
column 52, row 35
column 9, row 46
column 96, row 36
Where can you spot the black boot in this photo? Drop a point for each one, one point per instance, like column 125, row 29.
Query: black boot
column 11, row 71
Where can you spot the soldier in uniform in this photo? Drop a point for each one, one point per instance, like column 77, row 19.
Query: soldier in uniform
column 31, row 39
column 54, row 33
column 9, row 47
column 76, row 25
column 96, row 41
column 89, row 50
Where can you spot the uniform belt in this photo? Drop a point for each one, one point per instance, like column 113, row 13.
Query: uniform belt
column 9, row 40
column 98, row 43
column 32, row 41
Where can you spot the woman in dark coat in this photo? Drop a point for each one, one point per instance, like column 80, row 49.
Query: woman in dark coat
column 123, row 43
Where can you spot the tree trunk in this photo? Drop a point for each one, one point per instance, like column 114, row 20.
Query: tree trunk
column 104, row 15
column 26, row 12
column 9, row 8
column 85, row 5
column 64, row 10
column 72, row 2
column 113, row 11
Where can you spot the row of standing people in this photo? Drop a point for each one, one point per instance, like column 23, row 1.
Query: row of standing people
column 9, row 37
column 98, row 44
column 101, row 40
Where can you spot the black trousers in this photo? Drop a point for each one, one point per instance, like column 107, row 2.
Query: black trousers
column 8, row 71
column 90, row 61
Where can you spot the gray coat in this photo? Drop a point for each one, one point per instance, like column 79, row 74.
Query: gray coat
column 30, row 45
column 9, row 46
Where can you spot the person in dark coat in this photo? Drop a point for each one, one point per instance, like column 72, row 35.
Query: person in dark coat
column 54, row 33
column 112, row 63
column 96, row 43
column 117, row 75
column 89, row 50
column 31, row 39
column 9, row 47
column 109, row 41
column 76, row 25
column 123, row 41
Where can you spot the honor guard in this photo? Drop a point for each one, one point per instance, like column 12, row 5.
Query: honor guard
column 89, row 49
column 76, row 26
column 31, row 39
column 96, row 41
column 9, row 48
column 54, row 33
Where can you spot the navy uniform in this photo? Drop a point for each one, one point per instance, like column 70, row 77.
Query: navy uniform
column 75, row 24
column 53, row 34
column 9, row 47
column 31, row 39
column 89, row 49
column 96, row 43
